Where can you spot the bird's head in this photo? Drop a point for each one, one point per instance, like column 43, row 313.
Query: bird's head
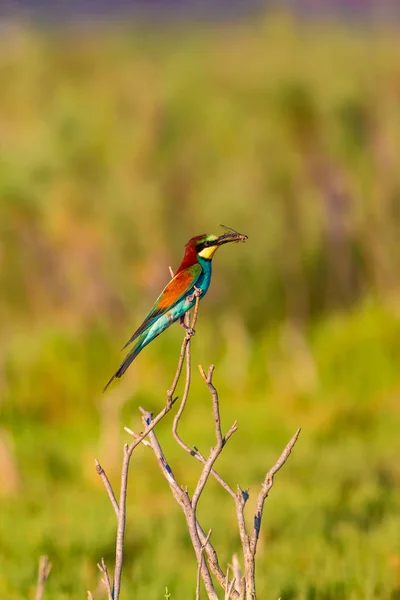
column 206, row 245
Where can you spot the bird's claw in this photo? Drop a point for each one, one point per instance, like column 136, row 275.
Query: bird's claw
column 196, row 294
column 189, row 330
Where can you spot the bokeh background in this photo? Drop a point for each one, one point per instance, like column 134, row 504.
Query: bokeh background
column 120, row 138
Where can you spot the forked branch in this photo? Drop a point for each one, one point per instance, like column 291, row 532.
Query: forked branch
column 249, row 544
column 240, row 587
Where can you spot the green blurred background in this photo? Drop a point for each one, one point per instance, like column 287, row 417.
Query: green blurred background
column 117, row 144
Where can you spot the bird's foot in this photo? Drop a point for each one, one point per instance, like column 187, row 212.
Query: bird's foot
column 189, row 330
column 196, row 294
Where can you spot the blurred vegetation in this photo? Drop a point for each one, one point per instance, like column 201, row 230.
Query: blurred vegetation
column 117, row 144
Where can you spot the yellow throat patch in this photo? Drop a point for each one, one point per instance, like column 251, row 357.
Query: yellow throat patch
column 208, row 252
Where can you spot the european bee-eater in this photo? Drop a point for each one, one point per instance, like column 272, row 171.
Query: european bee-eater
column 178, row 295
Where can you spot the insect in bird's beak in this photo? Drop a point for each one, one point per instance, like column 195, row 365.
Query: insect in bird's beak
column 230, row 236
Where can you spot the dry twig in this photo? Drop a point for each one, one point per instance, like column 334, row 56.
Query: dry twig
column 228, row 586
column 195, row 452
column 189, row 506
column 200, row 565
column 249, row 545
column 107, row 485
column 237, row 573
column 106, row 578
column 183, row 499
column 43, row 575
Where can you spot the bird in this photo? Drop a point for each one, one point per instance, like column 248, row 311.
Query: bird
column 192, row 279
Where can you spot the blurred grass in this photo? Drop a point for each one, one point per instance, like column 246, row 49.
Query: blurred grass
column 116, row 146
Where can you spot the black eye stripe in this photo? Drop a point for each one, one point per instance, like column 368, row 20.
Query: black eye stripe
column 202, row 245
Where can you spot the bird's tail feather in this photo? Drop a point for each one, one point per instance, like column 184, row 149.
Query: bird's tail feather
column 128, row 359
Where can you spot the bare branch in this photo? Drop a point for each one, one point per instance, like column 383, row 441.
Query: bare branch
column 215, row 452
column 43, row 575
column 241, row 498
column 128, row 450
column 119, row 550
column 187, row 383
column 189, row 334
column 207, row 468
column 249, row 545
column 213, row 562
column 200, row 565
column 236, row 571
column 172, row 389
column 107, row 485
column 267, row 485
column 199, row 456
column 182, row 497
column 195, row 452
column 136, row 435
column 242, row 593
column 106, row 578
column 217, row 420
column 229, row 586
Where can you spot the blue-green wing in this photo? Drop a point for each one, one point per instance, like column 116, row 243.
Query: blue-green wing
column 171, row 294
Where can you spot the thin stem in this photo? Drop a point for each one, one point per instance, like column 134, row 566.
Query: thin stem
column 200, row 566
column 186, row 341
column 214, row 394
column 213, row 562
column 187, row 386
column 119, row 550
column 241, row 498
column 106, row 578
column 242, row 592
column 236, row 571
column 43, row 575
column 182, row 497
column 107, row 485
column 250, row 545
column 229, row 586
column 267, row 485
column 193, row 452
column 128, row 450
column 215, row 452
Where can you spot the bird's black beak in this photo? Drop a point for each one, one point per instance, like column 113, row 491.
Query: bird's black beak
column 230, row 236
